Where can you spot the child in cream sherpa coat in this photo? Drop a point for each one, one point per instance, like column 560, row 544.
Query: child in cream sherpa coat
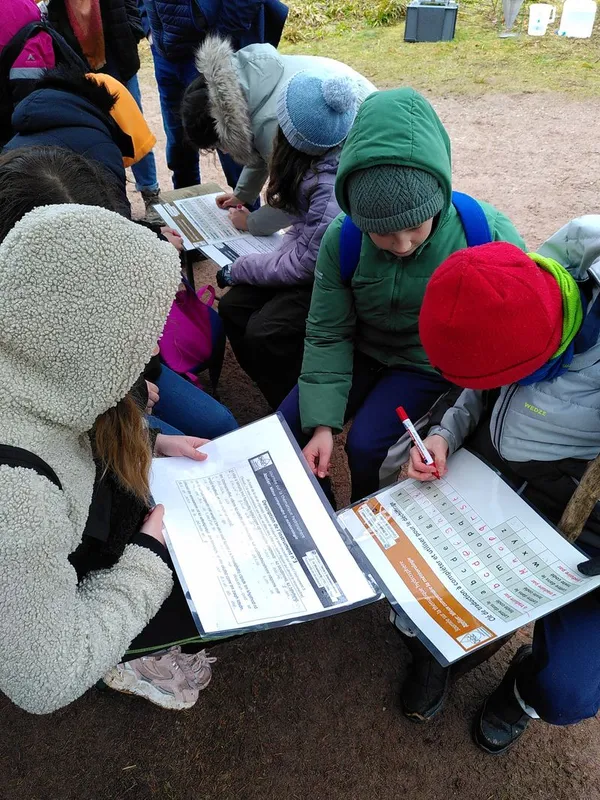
column 61, row 630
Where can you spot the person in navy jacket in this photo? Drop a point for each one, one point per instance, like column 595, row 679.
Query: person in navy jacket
column 176, row 29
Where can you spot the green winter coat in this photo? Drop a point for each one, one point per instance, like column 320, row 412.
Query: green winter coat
column 378, row 314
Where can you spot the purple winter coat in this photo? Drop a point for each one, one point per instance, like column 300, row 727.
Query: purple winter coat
column 294, row 261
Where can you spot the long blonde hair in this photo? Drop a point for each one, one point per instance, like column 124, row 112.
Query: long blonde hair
column 122, row 444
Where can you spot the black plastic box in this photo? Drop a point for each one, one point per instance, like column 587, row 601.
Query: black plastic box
column 430, row 22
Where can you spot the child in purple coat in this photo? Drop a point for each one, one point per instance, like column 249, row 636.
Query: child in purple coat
column 265, row 311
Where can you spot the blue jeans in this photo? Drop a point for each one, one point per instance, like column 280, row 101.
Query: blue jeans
column 144, row 171
column 376, row 392
column 173, row 77
column 185, row 409
column 562, row 678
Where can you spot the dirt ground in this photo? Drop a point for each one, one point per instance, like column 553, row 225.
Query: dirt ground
column 310, row 711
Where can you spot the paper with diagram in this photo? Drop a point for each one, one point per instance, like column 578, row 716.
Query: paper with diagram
column 206, row 227
column 465, row 558
column 253, row 541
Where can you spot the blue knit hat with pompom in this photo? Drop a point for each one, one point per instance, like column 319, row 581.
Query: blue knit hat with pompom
column 316, row 110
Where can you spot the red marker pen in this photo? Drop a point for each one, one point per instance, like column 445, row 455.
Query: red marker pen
column 412, row 432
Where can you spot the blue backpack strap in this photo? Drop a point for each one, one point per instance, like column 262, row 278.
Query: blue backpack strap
column 471, row 214
column 350, row 244
column 473, row 218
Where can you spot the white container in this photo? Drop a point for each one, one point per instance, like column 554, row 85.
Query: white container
column 540, row 16
column 577, row 20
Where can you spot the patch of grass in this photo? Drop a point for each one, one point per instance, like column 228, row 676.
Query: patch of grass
column 311, row 19
column 476, row 62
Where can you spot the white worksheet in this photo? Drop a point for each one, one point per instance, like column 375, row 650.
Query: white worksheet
column 223, row 253
column 465, row 557
column 204, row 226
column 253, row 542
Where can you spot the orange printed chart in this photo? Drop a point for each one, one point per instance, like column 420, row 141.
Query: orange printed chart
column 465, row 557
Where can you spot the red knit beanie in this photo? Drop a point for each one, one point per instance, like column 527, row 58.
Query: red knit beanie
column 490, row 316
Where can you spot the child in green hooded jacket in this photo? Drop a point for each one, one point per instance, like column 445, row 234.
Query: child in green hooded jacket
column 363, row 356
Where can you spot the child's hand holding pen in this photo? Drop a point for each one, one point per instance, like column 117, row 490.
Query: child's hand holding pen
column 427, row 458
column 419, row 470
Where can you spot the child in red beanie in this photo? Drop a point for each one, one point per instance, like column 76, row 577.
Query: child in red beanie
column 520, row 336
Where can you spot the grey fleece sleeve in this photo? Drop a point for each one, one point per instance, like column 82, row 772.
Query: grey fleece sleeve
column 58, row 637
column 251, row 182
column 456, row 415
column 267, row 220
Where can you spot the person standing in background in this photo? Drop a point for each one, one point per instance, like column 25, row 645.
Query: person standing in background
column 176, row 31
column 106, row 34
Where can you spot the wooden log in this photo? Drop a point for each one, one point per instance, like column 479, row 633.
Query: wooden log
column 581, row 504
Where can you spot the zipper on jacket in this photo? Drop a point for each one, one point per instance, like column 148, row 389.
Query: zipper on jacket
column 500, row 417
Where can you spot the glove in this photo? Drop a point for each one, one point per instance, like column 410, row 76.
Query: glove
column 590, row 568
column 224, row 277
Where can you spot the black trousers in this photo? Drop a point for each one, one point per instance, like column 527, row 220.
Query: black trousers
column 172, row 624
column 266, row 327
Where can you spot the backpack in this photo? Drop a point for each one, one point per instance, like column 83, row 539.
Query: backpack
column 193, row 338
column 472, row 216
column 13, row 88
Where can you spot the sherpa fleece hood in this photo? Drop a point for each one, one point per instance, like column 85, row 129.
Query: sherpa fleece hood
column 84, row 298
column 85, row 294
column 397, row 126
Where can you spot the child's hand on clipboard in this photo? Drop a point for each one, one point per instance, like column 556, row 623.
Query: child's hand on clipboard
column 419, row 470
column 182, row 446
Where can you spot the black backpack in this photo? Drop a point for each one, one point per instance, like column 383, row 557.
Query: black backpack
column 94, row 551
column 13, row 90
column 17, row 457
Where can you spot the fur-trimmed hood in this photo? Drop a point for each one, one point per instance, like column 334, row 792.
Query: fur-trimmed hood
column 64, row 97
column 243, row 90
column 66, row 79
column 215, row 60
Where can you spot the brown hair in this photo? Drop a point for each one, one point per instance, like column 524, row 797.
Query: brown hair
column 122, row 444
column 44, row 176
column 39, row 176
column 287, row 168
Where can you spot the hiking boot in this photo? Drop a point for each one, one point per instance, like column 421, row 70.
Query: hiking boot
column 502, row 719
column 426, row 685
column 151, row 197
column 160, row 678
column 197, row 668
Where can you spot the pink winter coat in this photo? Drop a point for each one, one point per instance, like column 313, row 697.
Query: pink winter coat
column 38, row 53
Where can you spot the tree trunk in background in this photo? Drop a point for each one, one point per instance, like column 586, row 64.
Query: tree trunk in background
column 584, row 499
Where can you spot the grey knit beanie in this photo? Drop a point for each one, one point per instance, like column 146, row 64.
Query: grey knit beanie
column 316, row 110
column 389, row 198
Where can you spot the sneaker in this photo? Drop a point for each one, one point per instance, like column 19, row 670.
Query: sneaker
column 151, row 197
column 197, row 668
column 160, row 678
column 426, row 685
column 502, row 719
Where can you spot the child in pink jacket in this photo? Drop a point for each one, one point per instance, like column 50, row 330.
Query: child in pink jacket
column 36, row 55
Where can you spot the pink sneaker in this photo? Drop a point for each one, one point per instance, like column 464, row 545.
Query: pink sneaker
column 163, row 679
column 197, row 668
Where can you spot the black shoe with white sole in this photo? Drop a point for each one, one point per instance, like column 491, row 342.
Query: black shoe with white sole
column 502, row 721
